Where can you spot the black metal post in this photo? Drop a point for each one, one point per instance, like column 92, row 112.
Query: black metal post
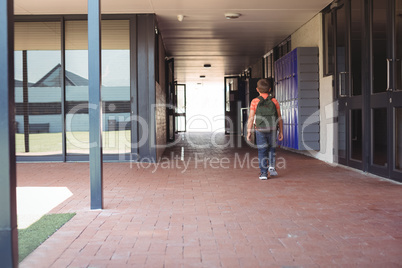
column 95, row 103
column 8, row 185
column 25, row 98
column 63, row 88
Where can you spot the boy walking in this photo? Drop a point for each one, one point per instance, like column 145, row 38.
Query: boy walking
column 267, row 114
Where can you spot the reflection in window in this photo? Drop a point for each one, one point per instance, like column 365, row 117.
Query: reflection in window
column 38, row 84
column 115, row 87
column 380, row 136
column 77, row 119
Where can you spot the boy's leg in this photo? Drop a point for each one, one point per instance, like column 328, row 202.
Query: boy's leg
column 272, row 154
column 262, row 145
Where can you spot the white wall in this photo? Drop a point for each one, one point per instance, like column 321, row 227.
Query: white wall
column 310, row 35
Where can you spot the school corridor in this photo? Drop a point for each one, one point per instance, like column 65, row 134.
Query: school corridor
column 203, row 205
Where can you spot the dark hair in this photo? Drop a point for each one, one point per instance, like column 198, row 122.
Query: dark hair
column 264, row 85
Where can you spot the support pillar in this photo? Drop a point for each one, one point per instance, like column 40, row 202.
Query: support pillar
column 95, row 103
column 8, row 185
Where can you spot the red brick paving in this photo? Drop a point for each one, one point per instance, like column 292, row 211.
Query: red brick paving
column 311, row 215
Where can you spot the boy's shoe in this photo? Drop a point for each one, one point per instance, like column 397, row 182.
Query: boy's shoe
column 272, row 171
column 263, row 176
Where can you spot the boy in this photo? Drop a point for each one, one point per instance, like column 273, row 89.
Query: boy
column 266, row 111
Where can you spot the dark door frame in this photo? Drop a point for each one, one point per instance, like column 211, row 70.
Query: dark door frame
column 179, row 113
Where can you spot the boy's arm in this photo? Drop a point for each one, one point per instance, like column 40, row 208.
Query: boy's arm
column 280, row 122
column 250, row 122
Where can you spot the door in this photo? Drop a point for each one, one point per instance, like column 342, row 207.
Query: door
column 348, row 81
column 395, row 92
column 386, row 91
column 180, row 114
column 231, row 105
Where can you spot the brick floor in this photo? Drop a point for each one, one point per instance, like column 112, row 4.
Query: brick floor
column 204, row 206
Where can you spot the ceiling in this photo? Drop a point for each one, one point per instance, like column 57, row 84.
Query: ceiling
column 204, row 36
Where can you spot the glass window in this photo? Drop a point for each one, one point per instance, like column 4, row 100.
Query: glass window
column 341, row 59
column 356, row 126
column 115, row 87
column 341, row 134
column 380, row 136
column 38, row 84
column 356, row 47
column 328, row 35
column 77, row 118
column 379, row 46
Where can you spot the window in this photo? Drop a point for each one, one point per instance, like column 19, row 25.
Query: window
column 115, row 87
column 328, row 41
column 268, row 65
column 38, row 83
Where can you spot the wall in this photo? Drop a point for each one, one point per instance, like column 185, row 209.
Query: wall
column 160, row 109
column 310, row 35
column 256, row 69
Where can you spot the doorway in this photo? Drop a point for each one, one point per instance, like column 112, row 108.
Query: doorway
column 180, row 114
column 368, row 53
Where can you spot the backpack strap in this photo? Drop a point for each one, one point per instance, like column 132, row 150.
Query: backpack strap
column 268, row 98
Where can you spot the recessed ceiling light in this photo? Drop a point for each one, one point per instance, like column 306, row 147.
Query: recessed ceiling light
column 207, row 65
column 202, row 76
column 180, row 17
column 231, row 16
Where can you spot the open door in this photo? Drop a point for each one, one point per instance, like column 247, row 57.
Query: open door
column 180, row 114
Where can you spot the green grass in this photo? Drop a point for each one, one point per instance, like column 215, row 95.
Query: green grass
column 30, row 238
column 76, row 142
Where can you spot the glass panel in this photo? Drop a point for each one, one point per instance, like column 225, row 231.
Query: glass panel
column 380, row 141
column 181, row 99
column 328, row 44
column 77, row 119
column 379, row 46
column 341, row 51
column 180, row 123
column 398, row 46
column 115, row 87
column 38, row 88
column 356, row 47
column 398, row 139
column 342, row 134
column 227, row 97
column 356, row 134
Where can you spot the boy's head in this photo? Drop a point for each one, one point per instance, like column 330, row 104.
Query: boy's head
column 264, row 85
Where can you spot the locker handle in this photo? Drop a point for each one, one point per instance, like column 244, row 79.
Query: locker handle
column 388, row 74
